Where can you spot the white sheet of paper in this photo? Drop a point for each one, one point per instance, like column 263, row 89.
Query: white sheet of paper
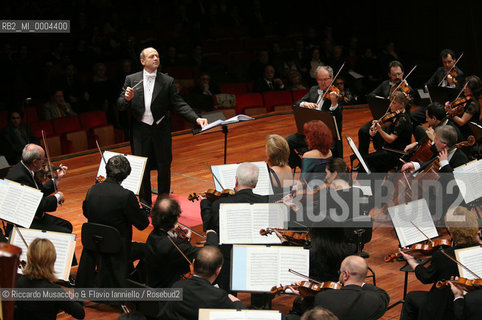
column 259, row 268
column 226, row 174
column 138, row 165
column 64, row 244
column 236, row 218
column 235, row 119
column 417, row 212
column 469, row 180
column 18, row 203
column 471, row 258
column 223, row 314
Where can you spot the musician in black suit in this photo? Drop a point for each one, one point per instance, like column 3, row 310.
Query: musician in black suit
column 150, row 103
column 165, row 264
column 198, row 291
column 437, row 303
column 109, row 203
column 315, row 99
column 33, row 159
column 448, row 61
column 356, row 299
column 466, row 306
column 246, row 180
column 395, row 76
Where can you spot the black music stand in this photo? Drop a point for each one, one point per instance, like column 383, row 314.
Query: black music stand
column 224, row 128
column 442, row 94
column 378, row 106
column 303, row 115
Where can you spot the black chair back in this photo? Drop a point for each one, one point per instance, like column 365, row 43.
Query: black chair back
column 101, row 238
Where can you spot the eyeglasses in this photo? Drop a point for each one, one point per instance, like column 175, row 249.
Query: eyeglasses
column 15, row 118
column 396, row 74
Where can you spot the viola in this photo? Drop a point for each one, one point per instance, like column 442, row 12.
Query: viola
column 308, row 289
column 295, row 237
column 425, row 249
column 211, row 194
column 181, row 234
column 463, row 282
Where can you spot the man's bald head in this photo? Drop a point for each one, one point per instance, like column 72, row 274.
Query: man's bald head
column 32, row 152
column 356, row 267
column 209, row 259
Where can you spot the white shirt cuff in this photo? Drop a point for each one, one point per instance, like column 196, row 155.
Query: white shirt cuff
column 416, row 166
column 443, row 163
column 57, row 196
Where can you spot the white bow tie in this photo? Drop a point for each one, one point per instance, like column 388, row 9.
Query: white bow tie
column 150, row 76
column 320, row 92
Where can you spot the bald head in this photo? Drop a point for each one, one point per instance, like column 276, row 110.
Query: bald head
column 33, row 156
column 209, row 259
column 356, row 267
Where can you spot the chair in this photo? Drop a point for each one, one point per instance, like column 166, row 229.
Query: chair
column 277, row 100
column 93, row 119
column 54, row 144
column 46, row 126
column 103, row 263
column 75, row 141
column 66, row 124
column 298, row 94
column 250, row 104
column 97, row 127
column 151, row 309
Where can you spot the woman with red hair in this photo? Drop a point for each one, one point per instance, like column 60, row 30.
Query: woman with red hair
column 319, row 140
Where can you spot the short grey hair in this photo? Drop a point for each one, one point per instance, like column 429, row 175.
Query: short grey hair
column 247, row 174
column 30, row 154
column 447, row 134
column 326, row 68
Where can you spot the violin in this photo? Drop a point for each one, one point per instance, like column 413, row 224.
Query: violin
column 300, row 238
column 99, row 179
column 421, row 249
column 389, row 117
column 44, row 173
column 181, row 234
column 211, row 194
column 453, row 73
column 308, row 289
column 457, row 107
column 467, row 284
column 403, row 87
column 330, row 90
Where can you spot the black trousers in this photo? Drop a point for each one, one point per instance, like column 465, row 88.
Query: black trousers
column 153, row 142
column 414, row 302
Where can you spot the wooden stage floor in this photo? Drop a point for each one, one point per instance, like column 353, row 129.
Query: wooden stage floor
column 190, row 174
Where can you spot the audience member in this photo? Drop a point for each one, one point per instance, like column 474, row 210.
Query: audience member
column 269, row 82
column 15, row 136
column 57, row 107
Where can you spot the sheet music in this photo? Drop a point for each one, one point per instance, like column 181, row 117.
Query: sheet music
column 469, row 180
column 259, row 268
column 18, row 203
column 64, row 244
column 226, row 174
column 235, row 119
column 357, row 153
column 236, row 218
column 472, row 259
column 138, row 165
column 417, row 212
column 223, row 314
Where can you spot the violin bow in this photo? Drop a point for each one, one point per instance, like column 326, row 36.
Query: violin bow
column 428, row 238
column 429, row 96
column 215, row 178
column 447, row 73
column 460, row 264
column 404, row 79
column 48, row 160
column 180, row 223
column 178, row 249
column 100, row 151
column 460, row 93
column 334, row 78
column 303, row 276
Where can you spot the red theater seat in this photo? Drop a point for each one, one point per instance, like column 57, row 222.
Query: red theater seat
column 277, row 100
column 250, row 104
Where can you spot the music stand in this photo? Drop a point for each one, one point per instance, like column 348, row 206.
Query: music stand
column 357, row 154
column 442, row 94
column 224, row 128
column 378, row 106
column 303, row 115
